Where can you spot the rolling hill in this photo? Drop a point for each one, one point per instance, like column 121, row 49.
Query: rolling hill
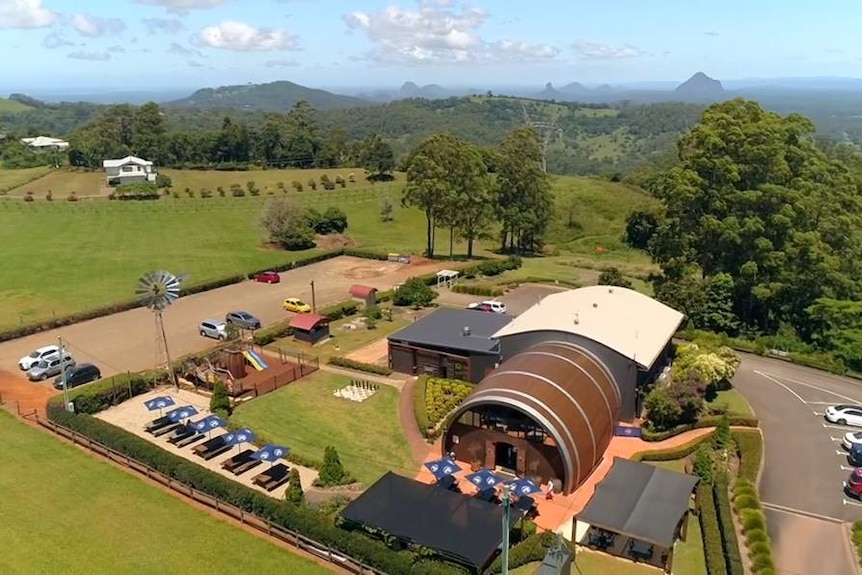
column 272, row 97
column 8, row 106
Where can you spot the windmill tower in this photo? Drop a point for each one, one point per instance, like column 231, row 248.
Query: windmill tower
column 548, row 132
column 157, row 290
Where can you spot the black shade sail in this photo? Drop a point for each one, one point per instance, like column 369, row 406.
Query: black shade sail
column 640, row 501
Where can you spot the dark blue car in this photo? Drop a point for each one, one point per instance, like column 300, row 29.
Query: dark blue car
column 854, row 456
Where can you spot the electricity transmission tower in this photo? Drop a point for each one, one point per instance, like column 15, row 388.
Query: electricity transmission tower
column 548, row 132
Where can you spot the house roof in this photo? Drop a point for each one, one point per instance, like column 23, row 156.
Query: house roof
column 630, row 323
column 459, row 527
column 361, row 291
column 124, row 161
column 44, row 142
column 640, row 501
column 445, row 328
column 307, row 321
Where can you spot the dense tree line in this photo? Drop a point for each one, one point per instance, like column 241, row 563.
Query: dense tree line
column 760, row 230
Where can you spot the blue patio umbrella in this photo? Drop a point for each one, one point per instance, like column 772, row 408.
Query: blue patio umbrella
column 208, row 424
column 270, row 452
column 240, row 436
column 159, row 403
column 484, row 479
column 180, row 413
column 440, row 468
column 521, row 487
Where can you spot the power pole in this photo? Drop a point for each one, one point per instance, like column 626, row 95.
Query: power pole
column 313, row 299
column 67, row 405
column 547, row 132
column 504, row 557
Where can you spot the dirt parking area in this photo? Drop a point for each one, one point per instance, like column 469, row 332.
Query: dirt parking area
column 127, row 341
column 133, row 416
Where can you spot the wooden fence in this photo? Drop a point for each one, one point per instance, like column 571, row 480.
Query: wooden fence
column 286, row 373
column 262, row 525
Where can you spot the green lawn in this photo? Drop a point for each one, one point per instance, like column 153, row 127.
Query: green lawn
column 11, row 179
column 66, row 512
column 688, row 556
column 344, row 342
column 12, row 106
column 306, row 417
column 90, row 253
column 733, row 401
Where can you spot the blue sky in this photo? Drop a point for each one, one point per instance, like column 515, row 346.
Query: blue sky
column 135, row 44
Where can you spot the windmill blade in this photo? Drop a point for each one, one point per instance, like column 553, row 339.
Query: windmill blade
column 158, row 289
column 182, row 278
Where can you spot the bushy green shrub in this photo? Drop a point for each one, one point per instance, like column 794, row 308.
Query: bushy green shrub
column 708, row 518
column 729, row 541
column 419, row 412
column 746, row 501
column 359, row 365
column 703, row 464
column 341, row 310
column 701, row 423
column 220, row 400
column 332, row 472
column 415, row 293
column 752, row 519
column 756, row 536
column 294, row 494
column 529, row 550
column 101, row 395
column 478, row 289
column 749, row 448
column 671, row 453
column 442, row 396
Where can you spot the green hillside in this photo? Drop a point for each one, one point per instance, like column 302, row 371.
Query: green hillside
column 12, row 106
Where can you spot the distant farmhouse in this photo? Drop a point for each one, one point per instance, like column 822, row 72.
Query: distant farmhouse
column 128, row 170
column 45, row 143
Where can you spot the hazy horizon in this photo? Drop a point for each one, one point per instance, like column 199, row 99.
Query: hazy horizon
column 136, row 45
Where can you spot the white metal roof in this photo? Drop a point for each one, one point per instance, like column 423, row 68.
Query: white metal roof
column 630, row 323
column 44, row 141
column 124, row 161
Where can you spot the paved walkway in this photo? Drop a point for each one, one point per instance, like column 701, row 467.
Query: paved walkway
column 414, row 437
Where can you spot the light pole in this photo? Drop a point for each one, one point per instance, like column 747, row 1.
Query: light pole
column 66, row 403
column 313, row 299
column 504, row 558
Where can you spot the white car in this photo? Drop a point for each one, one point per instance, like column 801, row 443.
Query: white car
column 851, row 439
column 493, row 305
column 48, row 352
column 845, row 415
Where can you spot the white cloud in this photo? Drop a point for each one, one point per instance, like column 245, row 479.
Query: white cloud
column 240, row 37
column 25, row 14
column 94, row 56
column 281, row 63
column 55, row 40
column 181, row 50
column 435, row 32
column 163, row 25
column 598, row 51
column 95, row 27
column 181, row 7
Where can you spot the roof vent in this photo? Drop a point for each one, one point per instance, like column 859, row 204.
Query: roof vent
column 465, row 330
column 610, row 290
column 577, row 318
column 595, row 305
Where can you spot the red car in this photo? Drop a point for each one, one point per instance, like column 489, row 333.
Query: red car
column 853, row 485
column 268, row 277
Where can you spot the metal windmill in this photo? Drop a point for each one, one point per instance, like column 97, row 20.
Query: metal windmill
column 157, row 290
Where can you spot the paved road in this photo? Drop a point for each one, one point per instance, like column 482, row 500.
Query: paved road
column 126, row 341
column 805, row 465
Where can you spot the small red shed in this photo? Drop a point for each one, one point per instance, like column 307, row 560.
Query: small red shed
column 366, row 295
column 310, row 327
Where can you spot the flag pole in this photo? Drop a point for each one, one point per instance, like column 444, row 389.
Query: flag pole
column 504, row 560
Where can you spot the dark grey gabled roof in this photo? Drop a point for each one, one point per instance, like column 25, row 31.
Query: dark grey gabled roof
column 641, row 501
column 444, row 328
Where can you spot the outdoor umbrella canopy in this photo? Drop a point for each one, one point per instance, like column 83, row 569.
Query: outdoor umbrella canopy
column 442, row 467
column 522, row 487
column 182, row 413
column 484, row 479
column 244, row 435
column 159, row 403
column 270, row 452
column 208, row 424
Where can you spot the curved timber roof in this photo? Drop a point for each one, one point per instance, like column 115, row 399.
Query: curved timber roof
column 632, row 324
column 566, row 389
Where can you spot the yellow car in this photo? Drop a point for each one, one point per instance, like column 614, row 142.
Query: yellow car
column 295, row 305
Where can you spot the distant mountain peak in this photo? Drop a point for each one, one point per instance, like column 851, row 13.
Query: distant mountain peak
column 700, row 85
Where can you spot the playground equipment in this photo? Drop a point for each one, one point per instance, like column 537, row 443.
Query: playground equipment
column 359, row 390
column 254, row 359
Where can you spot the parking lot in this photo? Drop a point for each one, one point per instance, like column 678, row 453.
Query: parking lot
column 127, row 341
column 805, row 463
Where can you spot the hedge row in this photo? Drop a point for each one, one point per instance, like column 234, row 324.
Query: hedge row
column 746, row 502
column 708, row 519
column 420, row 413
column 301, row 519
column 104, row 393
column 672, row 453
column 478, row 289
column 706, row 421
column 749, row 449
column 531, row 549
column 544, row 280
column 359, row 365
column 729, row 542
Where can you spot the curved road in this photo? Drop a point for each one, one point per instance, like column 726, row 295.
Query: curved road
column 805, row 465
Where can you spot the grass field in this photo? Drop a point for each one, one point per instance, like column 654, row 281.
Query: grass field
column 12, row 179
column 733, row 401
column 343, row 341
column 12, row 106
column 306, row 417
column 90, row 253
column 66, row 512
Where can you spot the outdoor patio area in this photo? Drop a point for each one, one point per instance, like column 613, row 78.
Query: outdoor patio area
column 133, row 416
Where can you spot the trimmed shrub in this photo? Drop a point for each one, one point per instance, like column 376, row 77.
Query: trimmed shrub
column 338, row 361
column 442, row 396
column 752, row 519
column 708, row 518
column 293, row 494
column 332, row 471
column 729, row 542
column 340, row 310
column 220, row 400
column 419, row 412
column 671, row 453
column 749, row 449
column 756, row 536
column 101, row 395
column 701, row 423
column 478, row 289
column 746, row 501
column 531, row 549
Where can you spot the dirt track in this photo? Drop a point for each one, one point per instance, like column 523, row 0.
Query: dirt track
column 126, row 341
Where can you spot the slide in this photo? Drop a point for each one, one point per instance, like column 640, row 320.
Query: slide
column 255, row 360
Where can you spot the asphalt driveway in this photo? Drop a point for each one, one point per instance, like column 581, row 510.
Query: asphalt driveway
column 805, row 465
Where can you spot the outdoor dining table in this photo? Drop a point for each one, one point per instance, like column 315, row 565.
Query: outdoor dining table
column 640, row 549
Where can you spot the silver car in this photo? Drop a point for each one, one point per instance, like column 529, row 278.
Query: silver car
column 213, row 328
column 48, row 368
